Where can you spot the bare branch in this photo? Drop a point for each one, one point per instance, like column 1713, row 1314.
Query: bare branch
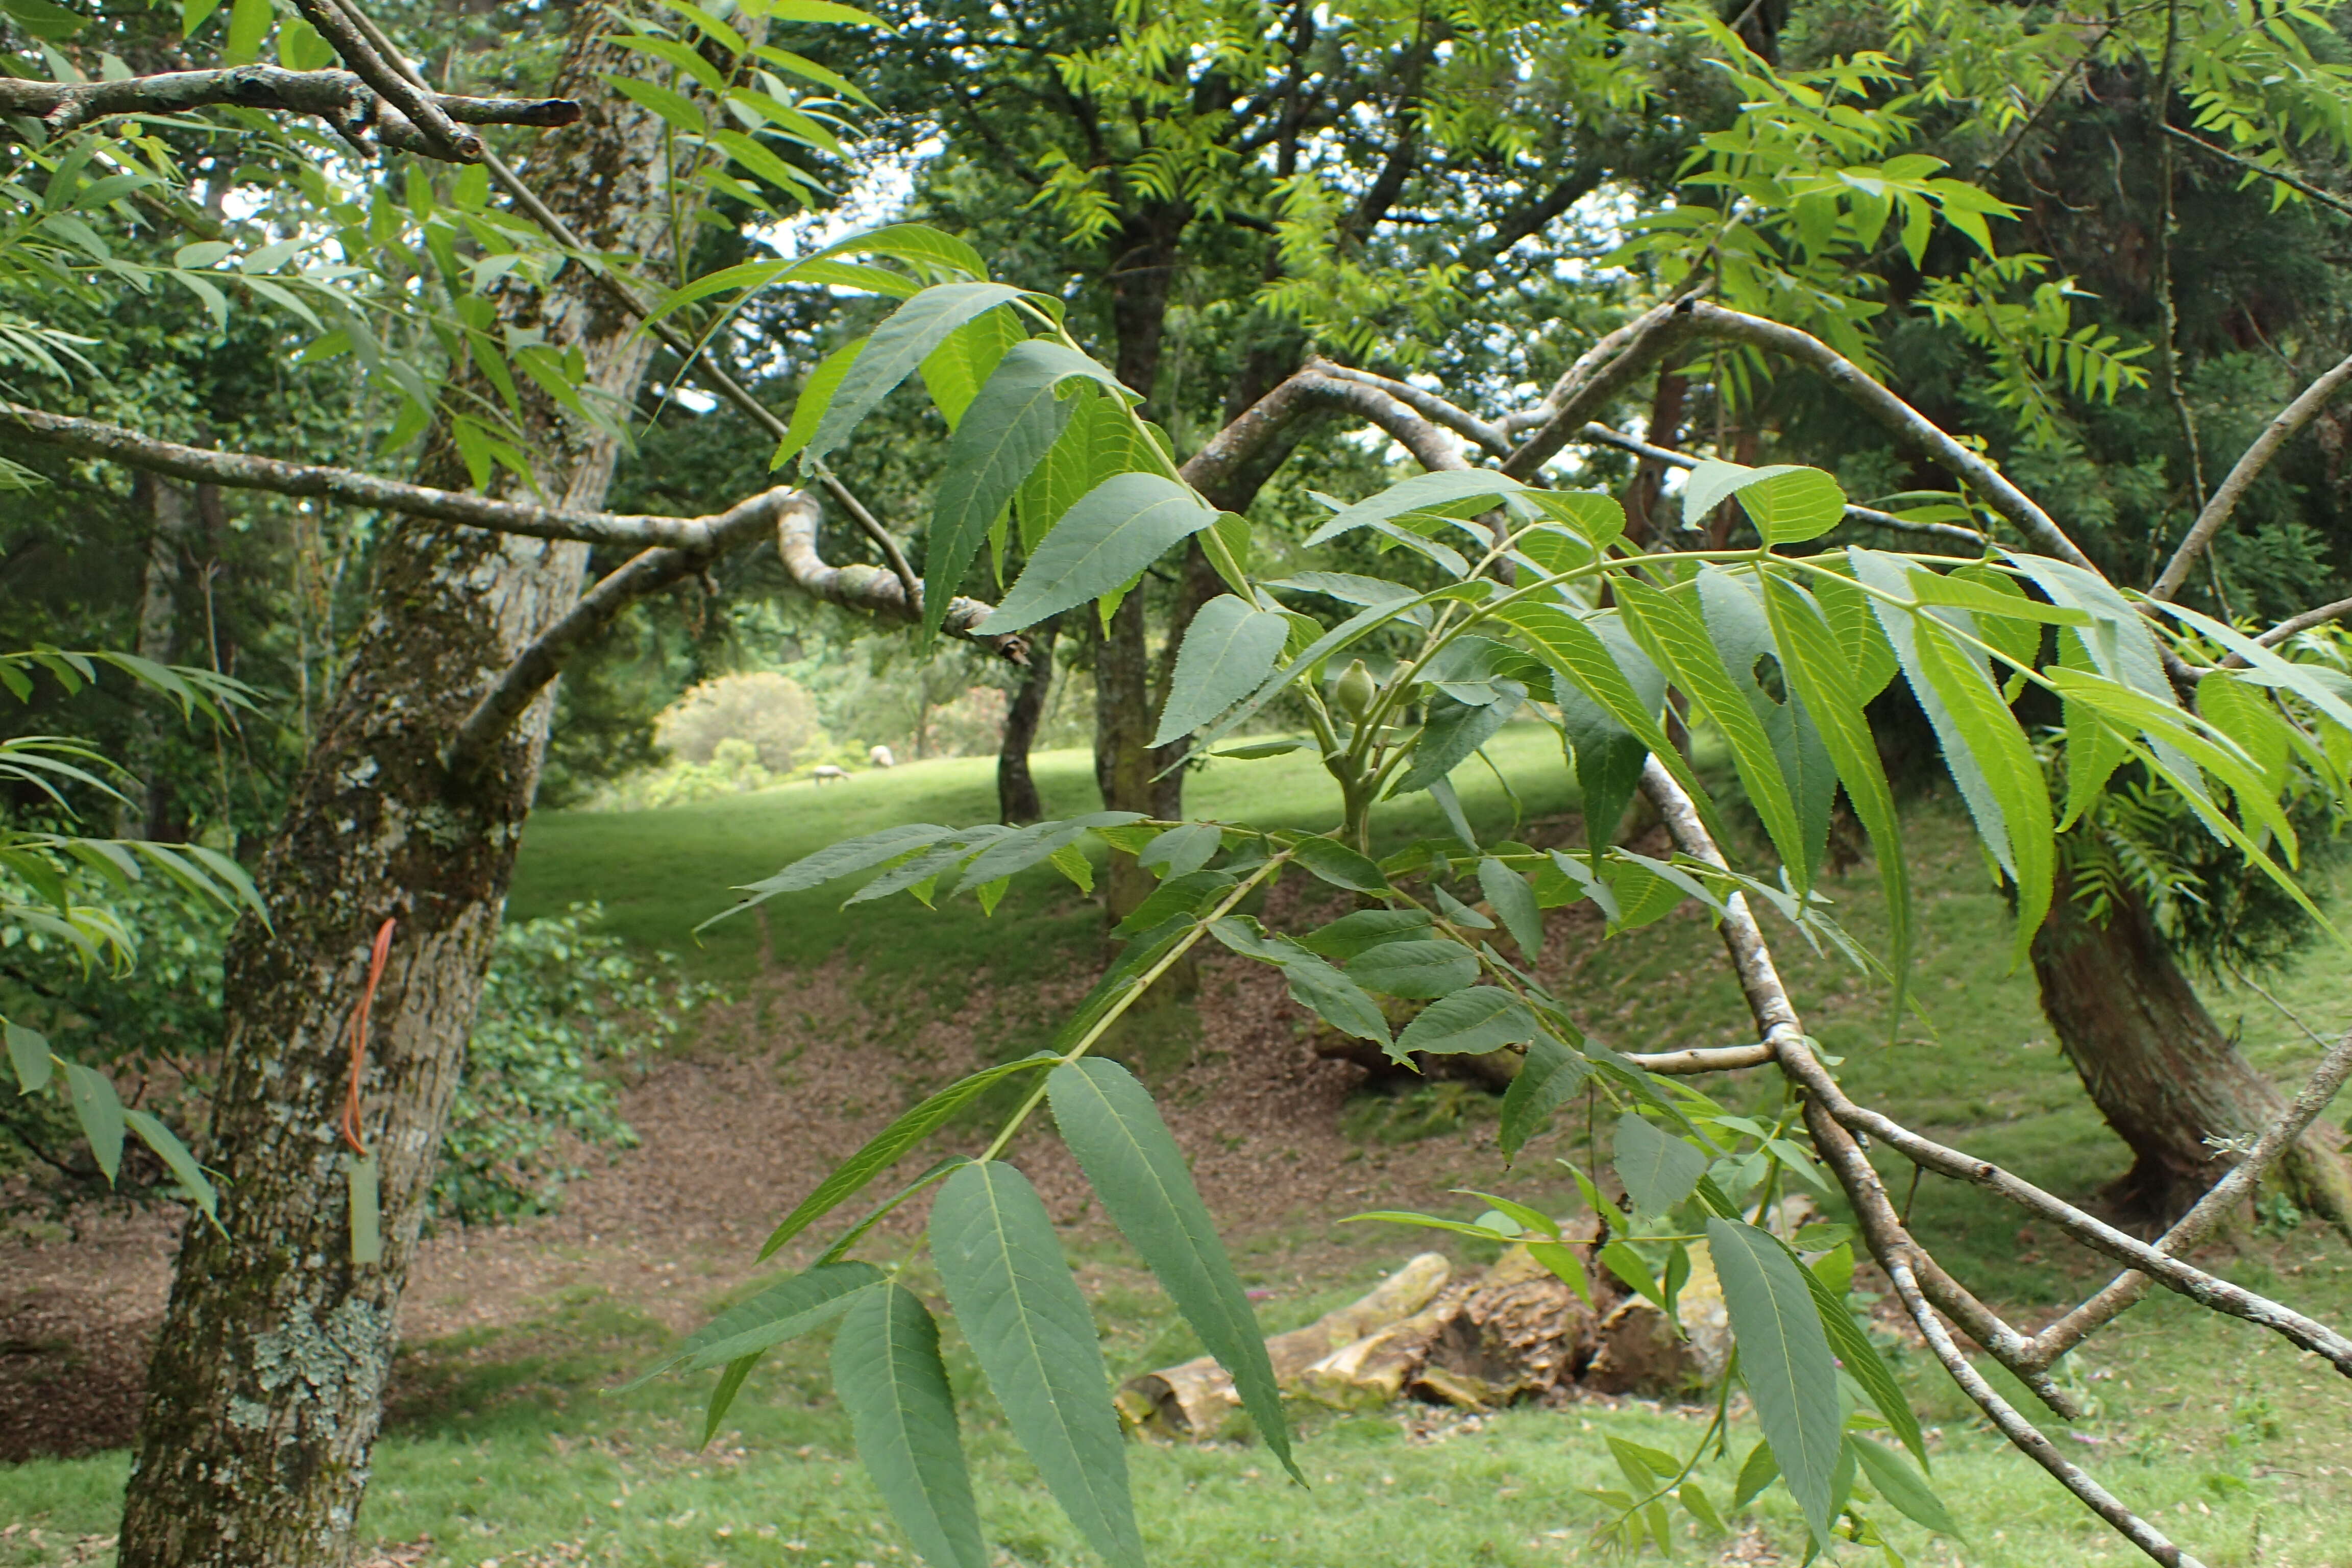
column 399, row 89
column 2233, row 491
column 539, row 663
column 870, row 588
column 1600, row 373
column 2126, row 1289
column 2325, row 199
column 2341, row 610
column 1428, row 404
column 340, row 98
column 237, row 470
column 1601, row 435
column 2207, row 1291
column 2024, row 1435
column 1784, row 1036
column 1703, row 1058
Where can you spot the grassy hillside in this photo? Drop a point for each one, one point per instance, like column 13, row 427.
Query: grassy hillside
column 506, row 1450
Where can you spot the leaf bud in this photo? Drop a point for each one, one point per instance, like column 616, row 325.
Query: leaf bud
column 1355, row 691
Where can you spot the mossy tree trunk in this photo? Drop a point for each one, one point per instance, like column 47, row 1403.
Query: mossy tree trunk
column 2170, row 1083
column 264, row 1391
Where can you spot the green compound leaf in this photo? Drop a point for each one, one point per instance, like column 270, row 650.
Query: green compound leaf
column 890, row 1145
column 887, row 1371
column 1784, row 1358
column 100, row 1114
column 1658, row 1169
column 1228, row 652
column 1110, row 1124
column 1899, row 1485
column 818, row 1295
column 1031, row 1331
column 1470, row 1022
column 174, row 1154
column 1861, row 1359
column 1550, row 1074
column 897, row 347
column 1341, row 867
column 1010, row 425
column 28, row 1054
column 1122, row 526
column 1416, row 969
column 1514, row 905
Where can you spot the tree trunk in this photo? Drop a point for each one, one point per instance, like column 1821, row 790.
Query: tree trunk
column 1123, row 725
column 1016, row 793
column 172, row 518
column 265, row 1392
column 2160, row 1070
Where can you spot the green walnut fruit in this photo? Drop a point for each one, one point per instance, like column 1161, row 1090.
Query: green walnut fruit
column 1355, row 691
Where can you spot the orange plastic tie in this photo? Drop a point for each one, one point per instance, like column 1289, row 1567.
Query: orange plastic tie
column 359, row 1034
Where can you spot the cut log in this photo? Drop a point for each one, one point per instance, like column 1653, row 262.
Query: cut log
column 1639, row 1352
column 1197, row 1399
column 1519, row 1333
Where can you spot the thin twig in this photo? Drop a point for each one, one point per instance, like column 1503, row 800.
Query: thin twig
column 2249, row 468
column 410, row 94
column 2325, row 199
column 2223, row 1196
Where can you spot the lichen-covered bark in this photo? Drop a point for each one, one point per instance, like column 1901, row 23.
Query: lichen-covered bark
column 264, row 1391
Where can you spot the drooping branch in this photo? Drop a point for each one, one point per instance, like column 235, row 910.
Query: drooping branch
column 871, row 588
column 2023, row 1434
column 238, row 470
column 2339, row 611
column 1425, row 403
column 1902, row 1258
column 643, row 573
column 1600, row 373
column 2232, row 490
column 2130, row 1287
column 1784, row 1040
column 339, row 97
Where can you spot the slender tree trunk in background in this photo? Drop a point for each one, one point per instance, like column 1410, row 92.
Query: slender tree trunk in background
column 171, row 516
column 2161, row 1071
column 265, row 1388
column 1123, row 720
column 1665, row 429
column 1016, row 793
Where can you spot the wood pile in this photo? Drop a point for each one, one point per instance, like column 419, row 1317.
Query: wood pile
column 1513, row 1332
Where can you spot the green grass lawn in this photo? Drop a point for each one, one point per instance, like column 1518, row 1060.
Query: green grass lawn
column 506, row 1449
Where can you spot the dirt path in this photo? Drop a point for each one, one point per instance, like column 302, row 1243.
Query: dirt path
column 784, row 1084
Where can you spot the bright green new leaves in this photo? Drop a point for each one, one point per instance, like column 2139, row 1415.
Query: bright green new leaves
column 1469, row 1022
column 816, row 397
column 1098, row 440
column 888, row 1373
column 1743, row 636
column 1228, row 652
column 1676, row 637
column 954, row 372
column 2005, row 759
column 1784, row 1357
column 1658, row 1169
column 886, row 1148
column 897, row 347
column 1008, row 427
column 1823, row 679
column 1122, row 526
column 1030, row 1330
column 28, row 1054
column 100, row 1114
column 1109, row 1120
column 1788, row 504
column 1414, row 969
column 1441, row 487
